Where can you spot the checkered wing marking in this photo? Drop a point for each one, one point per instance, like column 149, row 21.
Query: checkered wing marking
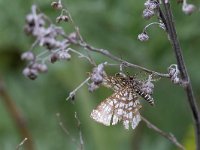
column 122, row 105
column 104, row 111
column 130, row 105
column 113, row 82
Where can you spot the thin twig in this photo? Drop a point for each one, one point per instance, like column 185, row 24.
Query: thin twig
column 117, row 59
column 183, row 70
column 16, row 115
column 21, row 143
column 168, row 136
column 75, row 141
column 80, row 133
column 72, row 94
column 65, row 129
column 82, row 55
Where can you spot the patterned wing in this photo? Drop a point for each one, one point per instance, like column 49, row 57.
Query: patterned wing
column 130, row 105
column 115, row 83
column 122, row 105
column 104, row 111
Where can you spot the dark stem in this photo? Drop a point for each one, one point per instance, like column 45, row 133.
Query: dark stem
column 183, row 70
column 16, row 115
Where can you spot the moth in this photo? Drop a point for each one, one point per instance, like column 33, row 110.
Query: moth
column 123, row 105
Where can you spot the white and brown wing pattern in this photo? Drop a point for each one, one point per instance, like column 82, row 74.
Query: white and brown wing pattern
column 123, row 105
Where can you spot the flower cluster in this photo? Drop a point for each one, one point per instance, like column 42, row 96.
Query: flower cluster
column 49, row 36
column 96, row 77
column 150, row 9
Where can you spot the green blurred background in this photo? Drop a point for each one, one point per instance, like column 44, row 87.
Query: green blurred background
column 109, row 24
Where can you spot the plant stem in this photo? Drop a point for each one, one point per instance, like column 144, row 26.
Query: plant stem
column 183, row 70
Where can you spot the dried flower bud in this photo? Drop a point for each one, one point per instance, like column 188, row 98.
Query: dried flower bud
column 30, row 20
column 148, row 13
column 73, row 37
column 174, row 74
column 30, row 73
column 62, row 18
column 54, row 57
column 28, row 56
column 42, row 68
column 49, row 42
column 97, row 74
column 56, row 5
column 64, row 55
column 188, row 9
column 92, row 87
column 148, row 86
column 151, row 4
column 143, row 37
column 26, row 71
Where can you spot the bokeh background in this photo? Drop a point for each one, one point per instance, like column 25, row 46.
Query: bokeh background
column 109, row 24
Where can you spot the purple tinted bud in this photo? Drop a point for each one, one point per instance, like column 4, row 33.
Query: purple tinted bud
column 54, row 57
column 97, row 74
column 148, row 87
column 151, row 4
column 42, row 68
column 72, row 37
column 56, row 5
column 30, row 73
column 188, row 9
column 92, row 87
column 143, row 37
column 97, row 78
column 148, row 13
column 64, row 55
column 28, row 56
column 62, row 18
column 26, row 72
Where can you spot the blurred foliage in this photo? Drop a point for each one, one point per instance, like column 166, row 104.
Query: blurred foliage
column 109, row 24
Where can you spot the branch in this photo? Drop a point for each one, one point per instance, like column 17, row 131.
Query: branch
column 168, row 136
column 17, row 116
column 117, row 59
column 105, row 52
column 183, row 70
